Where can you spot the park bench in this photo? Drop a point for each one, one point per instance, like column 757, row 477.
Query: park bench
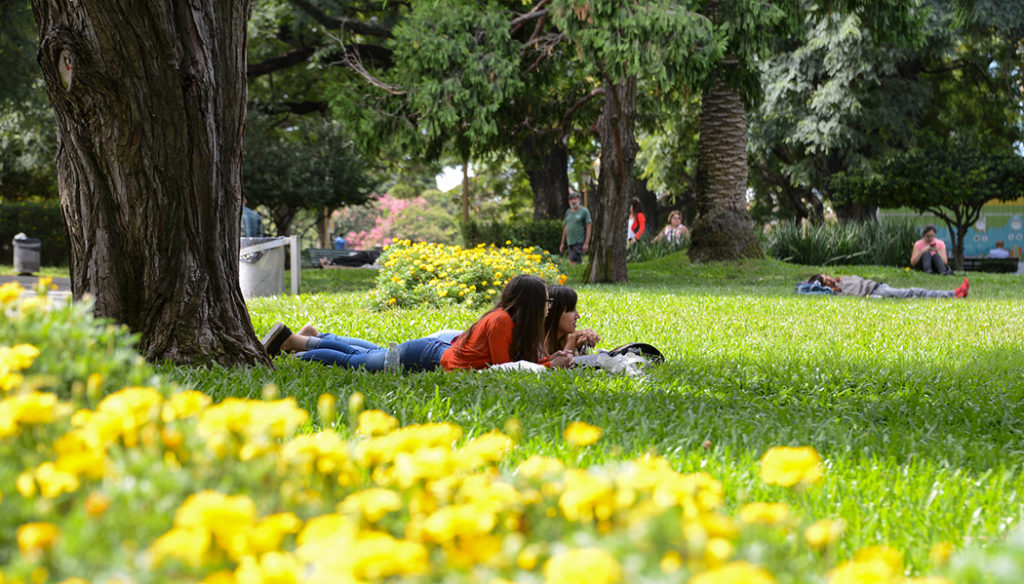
column 980, row 264
column 343, row 257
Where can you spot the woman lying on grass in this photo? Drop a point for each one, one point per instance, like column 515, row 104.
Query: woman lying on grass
column 560, row 325
column 511, row 331
column 857, row 286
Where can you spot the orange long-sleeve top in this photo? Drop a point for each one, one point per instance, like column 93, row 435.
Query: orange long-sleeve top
column 489, row 344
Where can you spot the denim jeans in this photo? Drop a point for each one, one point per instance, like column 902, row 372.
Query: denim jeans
column 415, row 355
column 932, row 263
column 887, row 291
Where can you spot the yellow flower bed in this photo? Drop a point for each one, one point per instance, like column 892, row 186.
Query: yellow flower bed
column 157, row 484
column 426, row 273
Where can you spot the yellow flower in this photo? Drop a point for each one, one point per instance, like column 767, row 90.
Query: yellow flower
column 823, row 533
column 18, row 357
column 37, row 537
column 582, row 566
column 787, row 466
column 96, row 504
column 734, row 573
column 764, row 513
column 272, row 568
column 857, row 572
column 188, row 544
column 372, row 504
column 10, row 292
column 537, row 466
column 376, row 423
column 184, row 404
column 581, row 434
column 940, row 552
column 891, row 556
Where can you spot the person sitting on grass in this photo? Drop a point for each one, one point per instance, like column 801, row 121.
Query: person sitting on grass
column 857, row 286
column 560, row 324
column 511, row 331
column 929, row 253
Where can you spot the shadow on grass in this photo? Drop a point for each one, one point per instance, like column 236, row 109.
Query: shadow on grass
column 969, row 419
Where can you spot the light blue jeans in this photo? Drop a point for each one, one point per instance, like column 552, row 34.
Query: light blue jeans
column 415, row 355
column 887, row 291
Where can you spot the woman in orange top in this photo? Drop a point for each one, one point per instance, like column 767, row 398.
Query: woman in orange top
column 637, row 222
column 511, row 331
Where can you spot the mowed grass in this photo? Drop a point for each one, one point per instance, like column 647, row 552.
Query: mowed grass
column 917, row 406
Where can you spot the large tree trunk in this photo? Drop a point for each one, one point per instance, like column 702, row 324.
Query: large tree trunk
column 149, row 100
column 615, row 184
column 723, row 229
column 546, row 161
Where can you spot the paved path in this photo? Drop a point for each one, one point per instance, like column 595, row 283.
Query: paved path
column 60, row 295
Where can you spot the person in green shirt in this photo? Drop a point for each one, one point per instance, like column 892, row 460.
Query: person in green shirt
column 576, row 229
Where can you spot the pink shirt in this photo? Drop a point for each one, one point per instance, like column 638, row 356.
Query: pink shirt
column 921, row 245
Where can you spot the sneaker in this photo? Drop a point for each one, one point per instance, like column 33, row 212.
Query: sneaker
column 961, row 291
column 274, row 340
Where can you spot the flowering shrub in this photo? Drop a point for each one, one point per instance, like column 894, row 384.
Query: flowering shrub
column 424, row 273
column 159, row 484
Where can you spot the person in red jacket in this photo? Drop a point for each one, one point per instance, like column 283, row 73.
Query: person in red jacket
column 637, row 222
column 511, row 331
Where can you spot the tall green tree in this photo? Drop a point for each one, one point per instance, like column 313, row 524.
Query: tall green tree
column 149, row 102
column 301, row 162
column 951, row 179
column 663, row 43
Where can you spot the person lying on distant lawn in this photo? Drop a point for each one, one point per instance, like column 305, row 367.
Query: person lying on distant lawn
column 511, row 331
column 857, row 286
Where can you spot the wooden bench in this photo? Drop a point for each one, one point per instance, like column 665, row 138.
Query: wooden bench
column 342, row 257
column 981, row 264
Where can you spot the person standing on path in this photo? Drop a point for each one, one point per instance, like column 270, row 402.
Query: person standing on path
column 575, row 229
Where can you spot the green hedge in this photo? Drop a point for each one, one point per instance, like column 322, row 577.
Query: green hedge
column 38, row 219
column 545, row 234
column 881, row 243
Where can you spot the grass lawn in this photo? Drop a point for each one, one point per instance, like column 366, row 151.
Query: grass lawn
column 917, row 406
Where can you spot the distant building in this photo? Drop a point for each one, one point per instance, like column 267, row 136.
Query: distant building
column 1003, row 221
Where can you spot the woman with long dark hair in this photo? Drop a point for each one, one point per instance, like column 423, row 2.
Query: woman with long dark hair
column 636, row 225
column 560, row 331
column 511, row 331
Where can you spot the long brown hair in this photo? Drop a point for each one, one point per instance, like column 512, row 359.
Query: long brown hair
column 524, row 299
column 563, row 299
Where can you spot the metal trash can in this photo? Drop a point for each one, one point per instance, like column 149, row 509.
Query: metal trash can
column 261, row 273
column 26, row 254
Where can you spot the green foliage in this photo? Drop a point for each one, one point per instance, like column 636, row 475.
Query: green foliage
column 646, row 249
column 881, row 243
column 545, row 234
column 661, row 40
column 27, row 150
column 415, row 274
column 39, row 219
column 100, row 347
column 433, row 221
column 300, row 164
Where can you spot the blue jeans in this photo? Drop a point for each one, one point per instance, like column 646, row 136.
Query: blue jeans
column 415, row 355
column 887, row 291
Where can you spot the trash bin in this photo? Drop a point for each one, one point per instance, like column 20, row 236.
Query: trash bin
column 261, row 273
column 26, row 254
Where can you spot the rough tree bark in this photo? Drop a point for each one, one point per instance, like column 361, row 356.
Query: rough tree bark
column 723, row 229
column 149, row 100
column 615, row 184
column 546, row 161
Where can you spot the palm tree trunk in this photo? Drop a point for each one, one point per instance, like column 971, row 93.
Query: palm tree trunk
column 723, row 229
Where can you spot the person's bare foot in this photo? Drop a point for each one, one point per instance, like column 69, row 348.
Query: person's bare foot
column 294, row 343
column 308, row 331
